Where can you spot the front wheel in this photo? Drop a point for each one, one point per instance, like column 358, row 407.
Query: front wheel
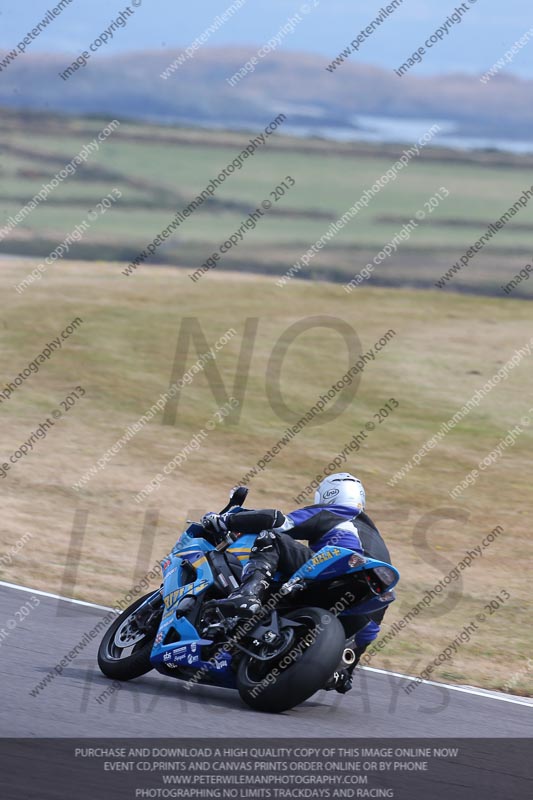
column 314, row 649
column 124, row 652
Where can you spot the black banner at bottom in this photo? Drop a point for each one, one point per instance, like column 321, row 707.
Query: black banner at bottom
column 133, row 769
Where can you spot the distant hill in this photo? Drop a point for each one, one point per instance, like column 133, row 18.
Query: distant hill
column 296, row 83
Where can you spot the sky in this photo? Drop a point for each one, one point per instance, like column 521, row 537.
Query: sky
column 487, row 31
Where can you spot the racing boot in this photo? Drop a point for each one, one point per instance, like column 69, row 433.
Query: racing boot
column 248, row 598
column 341, row 680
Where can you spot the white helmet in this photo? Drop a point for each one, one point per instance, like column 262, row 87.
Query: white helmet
column 341, row 489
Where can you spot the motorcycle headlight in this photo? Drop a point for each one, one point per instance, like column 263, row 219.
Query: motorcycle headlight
column 386, row 575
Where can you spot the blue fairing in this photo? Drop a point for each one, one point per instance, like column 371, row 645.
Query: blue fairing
column 332, row 562
column 183, row 648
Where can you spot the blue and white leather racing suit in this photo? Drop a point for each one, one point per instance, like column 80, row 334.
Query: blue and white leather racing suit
column 277, row 549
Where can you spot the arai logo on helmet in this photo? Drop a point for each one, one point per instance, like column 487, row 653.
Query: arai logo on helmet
column 330, row 493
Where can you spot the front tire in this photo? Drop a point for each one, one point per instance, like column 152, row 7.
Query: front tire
column 114, row 659
column 311, row 664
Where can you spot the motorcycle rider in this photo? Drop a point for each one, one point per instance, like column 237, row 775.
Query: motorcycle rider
column 336, row 518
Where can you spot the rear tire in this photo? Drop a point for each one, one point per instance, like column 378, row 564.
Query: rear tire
column 111, row 660
column 306, row 674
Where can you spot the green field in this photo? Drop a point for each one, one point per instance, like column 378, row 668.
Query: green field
column 445, row 347
column 160, row 170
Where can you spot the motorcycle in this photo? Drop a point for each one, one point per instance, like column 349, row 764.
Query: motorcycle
column 276, row 659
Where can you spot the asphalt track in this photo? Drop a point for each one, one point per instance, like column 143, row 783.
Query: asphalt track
column 155, row 706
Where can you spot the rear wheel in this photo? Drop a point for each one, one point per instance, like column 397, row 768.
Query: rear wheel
column 313, row 650
column 124, row 652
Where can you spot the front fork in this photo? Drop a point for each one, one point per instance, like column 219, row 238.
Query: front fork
column 149, row 612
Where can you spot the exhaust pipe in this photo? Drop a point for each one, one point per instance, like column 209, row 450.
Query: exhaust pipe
column 349, row 657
